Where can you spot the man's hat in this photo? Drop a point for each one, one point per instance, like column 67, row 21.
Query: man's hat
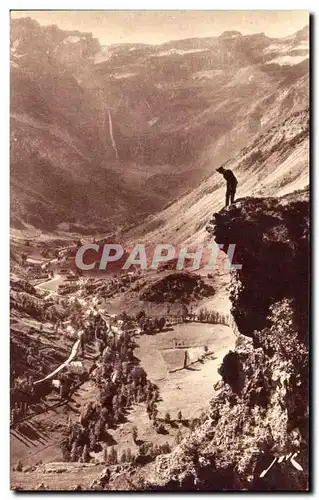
column 220, row 169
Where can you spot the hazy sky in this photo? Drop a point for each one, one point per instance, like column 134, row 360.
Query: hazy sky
column 161, row 26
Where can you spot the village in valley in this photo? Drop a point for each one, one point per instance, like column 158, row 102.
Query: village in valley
column 126, row 363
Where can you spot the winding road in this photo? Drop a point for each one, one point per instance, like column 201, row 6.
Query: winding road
column 74, row 352
column 47, row 285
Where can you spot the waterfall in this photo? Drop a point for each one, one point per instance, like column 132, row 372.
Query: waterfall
column 111, row 135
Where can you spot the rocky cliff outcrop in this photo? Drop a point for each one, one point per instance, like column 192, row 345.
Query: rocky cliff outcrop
column 258, row 417
column 272, row 240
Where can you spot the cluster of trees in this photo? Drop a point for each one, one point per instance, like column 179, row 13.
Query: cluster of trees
column 23, row 396
column 151, row 324
column 47, row 253
column 28, row 304
column 206, row 316
column 120, row 381
column 203, row 316
column 119, row 283
column 145, row 323
column 151, row 409
column 19, row 410
column 30, row 358
column 148, row 451
column 111, row 456
column 67, row 288
column 159, row 423
column 85, row 436
column 69, row 382
column 184, row 315
column 55, row 310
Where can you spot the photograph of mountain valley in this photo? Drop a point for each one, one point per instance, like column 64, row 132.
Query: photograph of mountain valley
column 159, row 250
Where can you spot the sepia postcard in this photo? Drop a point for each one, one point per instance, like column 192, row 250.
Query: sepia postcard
column 159, row 237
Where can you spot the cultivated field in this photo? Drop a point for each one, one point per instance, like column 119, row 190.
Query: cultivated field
column 187, row 389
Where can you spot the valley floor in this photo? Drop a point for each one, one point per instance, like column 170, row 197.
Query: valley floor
column 187, row 390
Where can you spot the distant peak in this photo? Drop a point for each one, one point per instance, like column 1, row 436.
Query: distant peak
column 303, row 33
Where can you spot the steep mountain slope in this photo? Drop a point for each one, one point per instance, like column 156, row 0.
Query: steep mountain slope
column 103, row 135
column 275, row 163
column 60, row 138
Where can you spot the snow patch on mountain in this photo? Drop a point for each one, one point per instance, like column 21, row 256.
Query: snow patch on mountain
column 287, row 60
column 179, row 52
column 71, row 39
column 119, row 76
column 102, row 56
column 277, row 47
column 304, row 45
column 212, row 73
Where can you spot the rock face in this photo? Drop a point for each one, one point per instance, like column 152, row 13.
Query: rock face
column 272, row 238
column 100, row 482
column 259, row 411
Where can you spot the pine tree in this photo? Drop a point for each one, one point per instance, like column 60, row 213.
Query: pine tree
column 112, row 458
column 92, row 440
column 85, row 454
column 179, row 415
column 19, row 466
column 65, row 451
column 105, row 454
column 99, row 429
column 74, row 455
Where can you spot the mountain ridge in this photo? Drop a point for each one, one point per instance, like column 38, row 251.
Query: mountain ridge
column 146, row 119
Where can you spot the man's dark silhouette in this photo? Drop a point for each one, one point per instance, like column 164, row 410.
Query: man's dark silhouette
column 231, row 184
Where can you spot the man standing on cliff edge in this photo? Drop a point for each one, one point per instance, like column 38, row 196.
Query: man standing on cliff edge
column 231, row 184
